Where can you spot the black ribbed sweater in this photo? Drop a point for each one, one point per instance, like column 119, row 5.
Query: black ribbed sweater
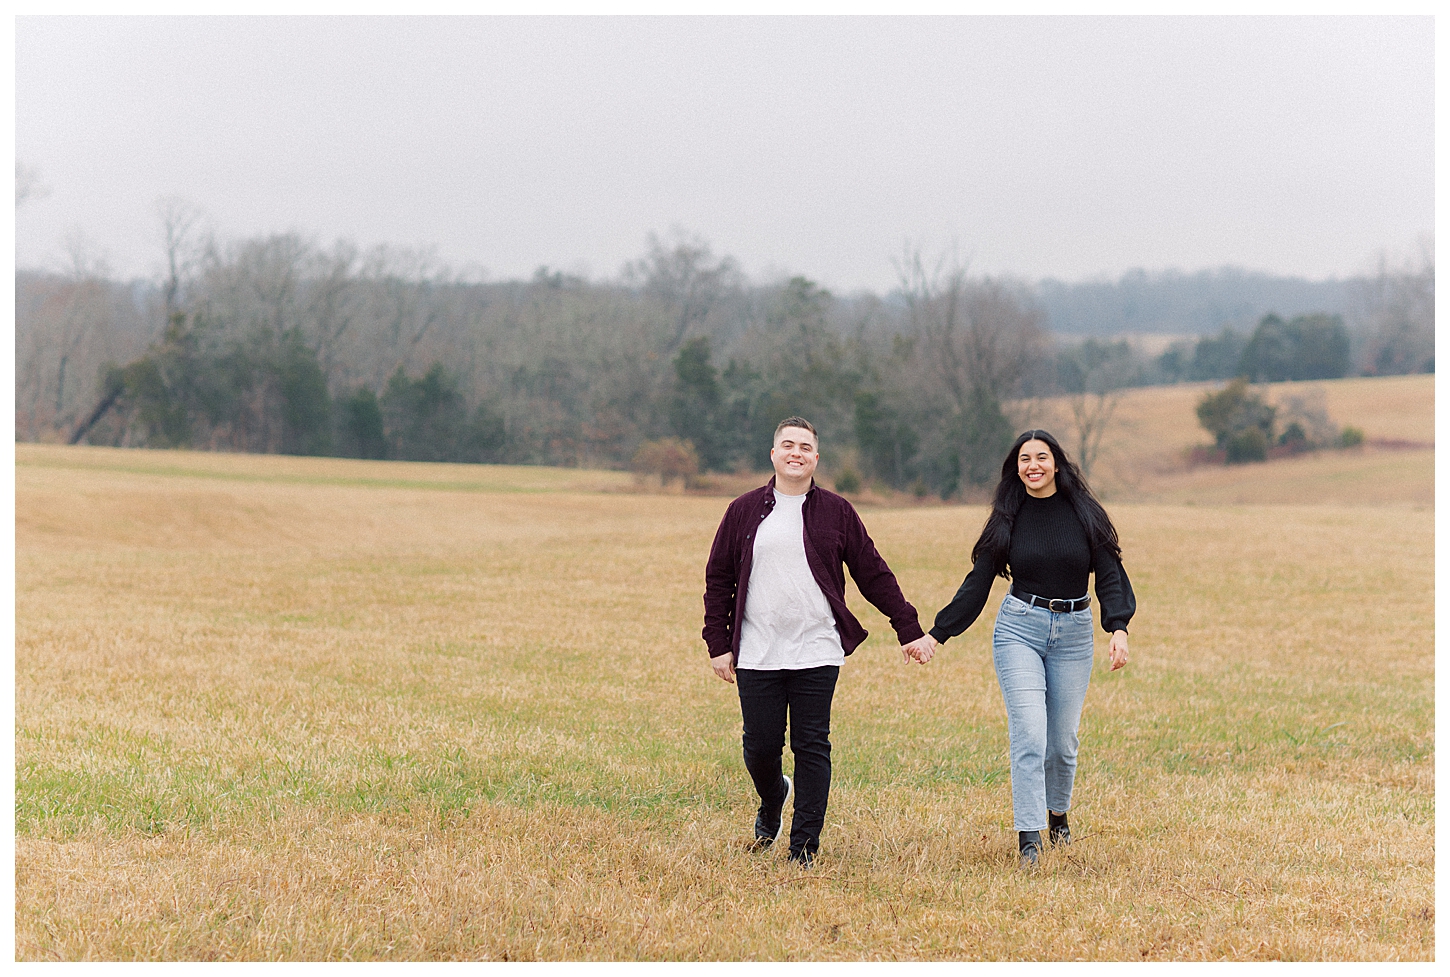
column 1050, row 557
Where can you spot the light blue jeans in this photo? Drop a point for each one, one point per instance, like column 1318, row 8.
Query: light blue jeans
column 1043, row 661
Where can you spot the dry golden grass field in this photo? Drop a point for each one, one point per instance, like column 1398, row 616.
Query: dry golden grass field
column 285, row 708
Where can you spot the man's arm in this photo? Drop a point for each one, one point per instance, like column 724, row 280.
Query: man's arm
column 876, row 581
column 720, row 580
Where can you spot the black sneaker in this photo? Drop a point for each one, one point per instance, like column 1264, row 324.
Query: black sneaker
column 805, row 859
column 1058, row 833
column 771, row 820
column 1029, row 844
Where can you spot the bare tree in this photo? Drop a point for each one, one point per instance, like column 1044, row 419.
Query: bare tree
column 1309, row 408
column 1397, row 310
column 332, row 300
column 403, row 286
column 85, row 312
column 1103, row 373
column 64, row 329
column 980, row 335
column 179, row 223
column 27, row 184
column 1092, row 413
column 181, row 247
column 685, row 276
column 977, row 339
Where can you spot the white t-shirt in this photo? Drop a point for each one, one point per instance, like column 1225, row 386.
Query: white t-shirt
column 788, row 623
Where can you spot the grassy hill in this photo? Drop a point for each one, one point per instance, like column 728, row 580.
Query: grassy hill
column 1144, row 455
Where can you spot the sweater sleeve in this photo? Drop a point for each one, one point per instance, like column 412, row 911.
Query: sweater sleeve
column 965, row 607
column 720, row 586
column 1116, row 602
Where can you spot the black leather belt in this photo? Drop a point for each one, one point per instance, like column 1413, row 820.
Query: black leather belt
column 1057, row 605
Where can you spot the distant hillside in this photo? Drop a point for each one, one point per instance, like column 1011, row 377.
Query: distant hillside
column 1145, row 452
column 1171, row 302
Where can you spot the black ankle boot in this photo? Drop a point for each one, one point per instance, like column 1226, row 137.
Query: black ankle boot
column 1058, row 833
column 1029, row 843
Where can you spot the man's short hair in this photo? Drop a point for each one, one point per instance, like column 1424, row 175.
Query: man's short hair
column 795, row 422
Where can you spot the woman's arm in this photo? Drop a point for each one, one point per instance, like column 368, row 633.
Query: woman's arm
column 964, row 608
column 1116, row 603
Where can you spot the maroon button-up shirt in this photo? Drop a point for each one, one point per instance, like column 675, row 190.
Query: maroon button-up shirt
column 834, row 535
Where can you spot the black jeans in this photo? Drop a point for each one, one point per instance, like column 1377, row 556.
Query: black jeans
column 765, row 699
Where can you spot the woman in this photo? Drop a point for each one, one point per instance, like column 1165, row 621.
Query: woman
column 1047, row 531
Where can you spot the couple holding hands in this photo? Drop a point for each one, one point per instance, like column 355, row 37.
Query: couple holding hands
column 777, row 625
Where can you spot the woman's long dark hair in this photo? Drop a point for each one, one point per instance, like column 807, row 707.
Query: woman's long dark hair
column 996, row 536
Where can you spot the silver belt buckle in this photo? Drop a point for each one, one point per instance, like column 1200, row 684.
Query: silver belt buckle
column 1052, row 605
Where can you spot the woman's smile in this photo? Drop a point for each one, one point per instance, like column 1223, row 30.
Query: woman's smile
column 1037, row 467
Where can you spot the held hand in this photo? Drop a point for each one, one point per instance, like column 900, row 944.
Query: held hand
column 909, row 651
column 1118, row 650
column 920, row 650
column 724, row 667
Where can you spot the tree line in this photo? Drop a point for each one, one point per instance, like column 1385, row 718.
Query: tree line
column 1200, row 303
column 1396, row 335
column 278, row 344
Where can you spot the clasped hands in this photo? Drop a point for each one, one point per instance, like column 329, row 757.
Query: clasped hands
column 920, row 650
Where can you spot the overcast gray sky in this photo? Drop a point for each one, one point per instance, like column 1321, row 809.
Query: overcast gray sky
column 1044, row 147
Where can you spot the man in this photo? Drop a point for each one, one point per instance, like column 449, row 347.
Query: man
column 777, row 625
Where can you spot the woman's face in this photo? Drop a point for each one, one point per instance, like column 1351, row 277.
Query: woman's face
column 1037, row 468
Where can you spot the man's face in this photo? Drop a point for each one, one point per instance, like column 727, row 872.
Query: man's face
column 794, row 455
